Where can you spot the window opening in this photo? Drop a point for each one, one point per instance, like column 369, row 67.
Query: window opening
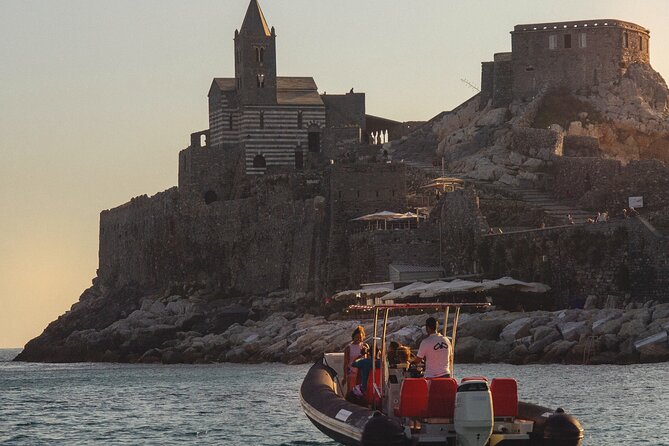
column 299, row 119
column 583, row 40
column 552, row 42
column 259, row 161
column 230, row 122
column 260, row 79
column 567, row 40
column 640, row 43
column 626, row 40
column 314, row 141
column 262, row 120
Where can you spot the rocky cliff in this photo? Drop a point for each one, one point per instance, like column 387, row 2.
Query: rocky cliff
column 624, row 119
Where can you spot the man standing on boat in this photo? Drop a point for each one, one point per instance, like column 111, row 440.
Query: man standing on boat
column 435, row 350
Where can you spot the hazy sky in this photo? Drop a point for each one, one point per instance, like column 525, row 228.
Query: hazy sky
column 98, row 97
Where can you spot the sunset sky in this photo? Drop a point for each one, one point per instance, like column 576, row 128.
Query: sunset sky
column 98, row 97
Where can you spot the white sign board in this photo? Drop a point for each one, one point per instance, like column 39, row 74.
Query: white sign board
column 635, row 202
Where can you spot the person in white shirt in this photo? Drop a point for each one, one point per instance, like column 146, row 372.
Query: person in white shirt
column 435, row 350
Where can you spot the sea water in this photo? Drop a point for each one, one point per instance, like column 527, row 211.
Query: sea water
column 232, row 404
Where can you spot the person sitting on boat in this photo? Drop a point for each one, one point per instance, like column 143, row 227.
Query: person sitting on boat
column 364, row 365
column 352, row 352
column 435, row 350
column 398, row 355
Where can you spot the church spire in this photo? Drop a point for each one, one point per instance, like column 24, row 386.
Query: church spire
column 254, row 21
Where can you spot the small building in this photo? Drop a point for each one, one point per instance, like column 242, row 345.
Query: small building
column 414, row 273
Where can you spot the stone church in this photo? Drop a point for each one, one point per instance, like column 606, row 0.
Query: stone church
column 278, row 122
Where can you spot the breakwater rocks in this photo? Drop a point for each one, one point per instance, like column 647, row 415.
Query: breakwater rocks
column 168, row 328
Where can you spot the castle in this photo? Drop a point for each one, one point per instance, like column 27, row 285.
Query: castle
column 266, row 194
column 576, row 55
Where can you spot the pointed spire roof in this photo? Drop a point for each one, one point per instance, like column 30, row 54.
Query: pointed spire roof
column 254, row 21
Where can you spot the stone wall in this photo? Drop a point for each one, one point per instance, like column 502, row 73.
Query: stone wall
column 575, row 55
column 254, row 245
column 461, row 226
column 355, row 190
column 210, row 171
column 372, row 252
column 622, row 257
column 342, row 110
column 601, row 184
column 581, row 146
column 618, row 258
column 537, row 143
column 503, row 80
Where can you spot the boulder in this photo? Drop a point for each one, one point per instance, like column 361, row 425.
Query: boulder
column 661, row 311
column 516, row 329
column 572, row 331
column 494, row 117
column 465, row 348
column 540, row 345
column 488, row 329
column 557, row 351
column 632, row 329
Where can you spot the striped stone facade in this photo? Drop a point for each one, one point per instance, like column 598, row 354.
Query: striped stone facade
column 274, row 120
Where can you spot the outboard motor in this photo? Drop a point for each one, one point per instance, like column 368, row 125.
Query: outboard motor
column 473, row 414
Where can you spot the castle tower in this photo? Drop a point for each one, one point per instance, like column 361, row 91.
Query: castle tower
column 255, row 59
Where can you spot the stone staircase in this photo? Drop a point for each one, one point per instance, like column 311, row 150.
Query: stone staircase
column 542, row 200
column 533, row 197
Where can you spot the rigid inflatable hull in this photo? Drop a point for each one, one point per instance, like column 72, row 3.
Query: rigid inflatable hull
column 351, row 424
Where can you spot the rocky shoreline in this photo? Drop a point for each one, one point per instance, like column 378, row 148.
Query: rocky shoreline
column 132, row 327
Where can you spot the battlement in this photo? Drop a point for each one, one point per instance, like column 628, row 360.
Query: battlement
column 582, row 24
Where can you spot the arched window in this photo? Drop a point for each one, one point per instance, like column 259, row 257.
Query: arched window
column 210, row 196
column 260, row 79
column 259, row 161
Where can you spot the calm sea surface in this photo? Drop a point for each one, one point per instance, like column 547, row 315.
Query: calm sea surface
column 229, row 404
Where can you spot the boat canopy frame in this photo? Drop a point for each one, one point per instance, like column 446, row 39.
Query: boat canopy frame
column 386, row 308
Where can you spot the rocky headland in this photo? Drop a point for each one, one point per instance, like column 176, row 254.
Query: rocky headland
column 193, row 324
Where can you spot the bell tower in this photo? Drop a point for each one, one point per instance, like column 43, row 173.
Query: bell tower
column 255, row 59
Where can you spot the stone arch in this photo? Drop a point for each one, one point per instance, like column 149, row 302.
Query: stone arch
column 210, row 196
column 259, row 161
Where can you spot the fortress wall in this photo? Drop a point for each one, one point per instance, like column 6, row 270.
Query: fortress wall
column 574, row 177
column 602, row 184
column 342, row 110
column 615, row 258
column 358, row 189
column 373, row 251
column 461, row 225
column 487, row 82
column 336, row 141
column 502, row 80
column 355, row 190
column 247, row 246
column 574, row 54
column 209, row 169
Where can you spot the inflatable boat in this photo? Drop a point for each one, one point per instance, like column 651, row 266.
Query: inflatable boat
column 399, row 407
